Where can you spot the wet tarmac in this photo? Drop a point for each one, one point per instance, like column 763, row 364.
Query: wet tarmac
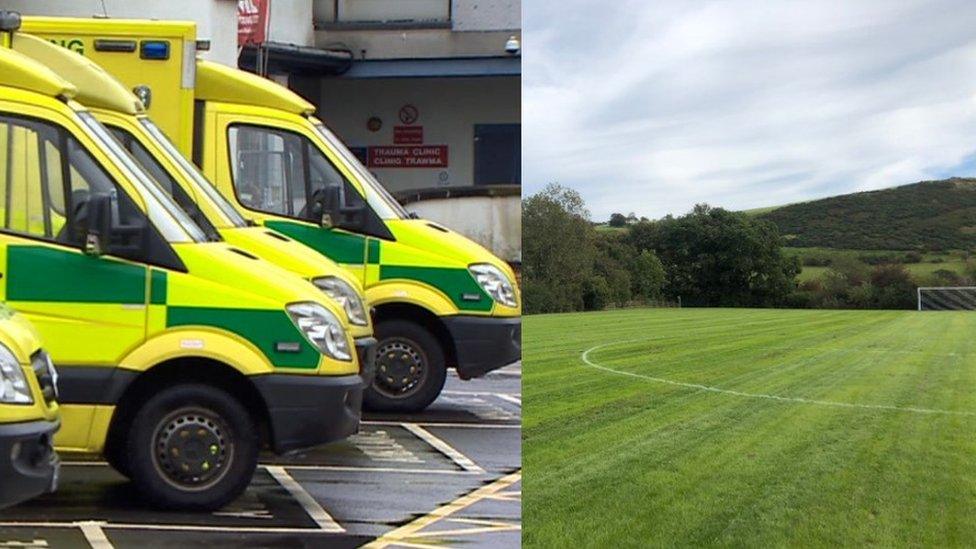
column 448, row 477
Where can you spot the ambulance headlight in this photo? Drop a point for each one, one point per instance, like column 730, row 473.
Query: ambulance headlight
column 321, row 328
column 494, row 282
column 346, row 296
column 13, row 382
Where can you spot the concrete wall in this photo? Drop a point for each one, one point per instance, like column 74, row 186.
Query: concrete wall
column 291, row 22
column 399, row 29
column 216, row 19
column 493, row 222
column 486, row 15
column 449, row 108
column 416, row 43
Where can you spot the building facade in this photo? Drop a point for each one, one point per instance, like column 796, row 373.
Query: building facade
column 426, row 92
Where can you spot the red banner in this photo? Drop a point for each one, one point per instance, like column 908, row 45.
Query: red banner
column 408, row 135
column 252, row 21
column 424, row 156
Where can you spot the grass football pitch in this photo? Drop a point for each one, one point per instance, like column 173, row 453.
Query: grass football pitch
column 751, row 428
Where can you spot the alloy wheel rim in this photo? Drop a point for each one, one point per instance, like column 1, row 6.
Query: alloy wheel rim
column 191, row 449
column 401, row 368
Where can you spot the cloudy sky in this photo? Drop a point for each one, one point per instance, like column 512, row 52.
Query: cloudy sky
column 653, row 106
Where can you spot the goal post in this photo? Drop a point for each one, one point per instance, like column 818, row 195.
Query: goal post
column 947, row 298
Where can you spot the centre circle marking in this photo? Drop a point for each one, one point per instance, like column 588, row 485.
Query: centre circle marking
column 585, row 357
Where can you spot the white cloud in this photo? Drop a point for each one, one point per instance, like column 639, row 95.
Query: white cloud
column 653, row 107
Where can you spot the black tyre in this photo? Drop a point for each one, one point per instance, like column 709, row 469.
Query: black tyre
column 410, row 368
column 116, row 457
column 192, row 446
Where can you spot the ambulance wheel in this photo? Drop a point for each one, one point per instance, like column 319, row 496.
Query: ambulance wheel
column 192, row 446
column 410, row 368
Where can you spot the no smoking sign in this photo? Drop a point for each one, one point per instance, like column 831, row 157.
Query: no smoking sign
column 409, row 114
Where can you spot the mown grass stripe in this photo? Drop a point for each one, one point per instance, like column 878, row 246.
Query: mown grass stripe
column 610, row 460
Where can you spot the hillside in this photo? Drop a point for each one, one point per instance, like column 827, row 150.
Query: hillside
column 932, row 215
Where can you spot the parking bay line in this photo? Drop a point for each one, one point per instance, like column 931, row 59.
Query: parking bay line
column 510, row 398
column 507, row 397
column 457, row 457
column 300, row 467
column 312, row 507
column 171, row 527
column 401, row 535
column 447, row 424
column 94, row 535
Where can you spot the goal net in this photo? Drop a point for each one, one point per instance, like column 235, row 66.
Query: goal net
column 949, row 298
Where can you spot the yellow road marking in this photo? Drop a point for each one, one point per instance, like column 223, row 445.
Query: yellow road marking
column 401, row 535
column 497, row 527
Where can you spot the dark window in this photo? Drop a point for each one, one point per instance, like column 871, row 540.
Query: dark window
column 498, row 154
column 42, row 168
column 166, row 182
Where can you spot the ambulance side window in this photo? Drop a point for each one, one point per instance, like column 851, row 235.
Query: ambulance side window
column 30, row 172
column 276, row 171
column 42, row 169
column 267, row 169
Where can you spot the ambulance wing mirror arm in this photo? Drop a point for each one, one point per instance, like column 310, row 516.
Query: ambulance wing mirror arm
column 327, row 210
column 101, row 230
column 94, row 221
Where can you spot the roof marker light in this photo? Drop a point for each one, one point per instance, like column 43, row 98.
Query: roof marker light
column 154, row 49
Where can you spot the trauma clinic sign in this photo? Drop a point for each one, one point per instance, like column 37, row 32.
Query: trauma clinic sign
column 421, row 156
column 252, row 21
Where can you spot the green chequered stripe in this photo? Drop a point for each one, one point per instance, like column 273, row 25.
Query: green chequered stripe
column 157, row 291
column 336, row 245
column 373, row 252
column 263, row 328
column 39, row 273
column 456, row 283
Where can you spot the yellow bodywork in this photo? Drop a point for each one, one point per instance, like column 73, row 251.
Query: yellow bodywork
column 173, row 78
column 111, row 312
column 115, row 106
column 259, row 241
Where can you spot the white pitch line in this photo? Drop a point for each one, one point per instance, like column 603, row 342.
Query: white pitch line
column 585, row 356
column 312, row 507
column 94, row 534
column 457, row 457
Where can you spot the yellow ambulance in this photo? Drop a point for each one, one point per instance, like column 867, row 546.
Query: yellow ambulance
column 125, row 116
column 180, row 355
column 28, row 412
column 440, row 299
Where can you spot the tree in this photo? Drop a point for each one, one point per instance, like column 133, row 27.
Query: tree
column 617, row 220
column 557, row 251
column 647, row 276
column 714, row 257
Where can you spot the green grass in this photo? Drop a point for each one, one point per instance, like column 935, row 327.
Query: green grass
column 931, row 261
column 614, row 460
column 604, row 228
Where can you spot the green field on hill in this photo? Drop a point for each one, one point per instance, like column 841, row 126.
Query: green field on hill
column 931, row 262
column 689, row 427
